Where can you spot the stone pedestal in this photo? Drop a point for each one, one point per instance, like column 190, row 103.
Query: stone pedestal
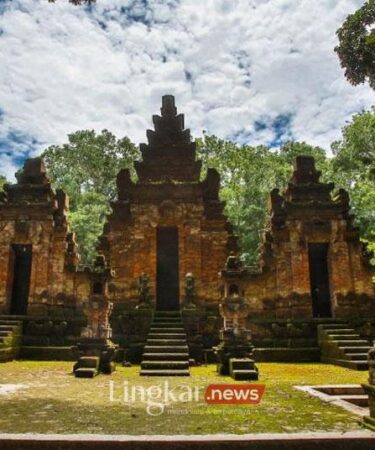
column 235, row 352
column 95, row 351
column 98, row 351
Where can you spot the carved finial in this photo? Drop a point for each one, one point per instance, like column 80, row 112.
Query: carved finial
column 168, row 106
column 211, row 185
column 33, row 172
column 169, row 154
column 305, row 171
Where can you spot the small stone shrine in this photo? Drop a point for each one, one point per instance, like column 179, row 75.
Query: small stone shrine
column 95, row 351
column 235, row 351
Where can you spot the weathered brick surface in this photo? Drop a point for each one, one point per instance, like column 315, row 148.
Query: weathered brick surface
column 168, row 193
column 31, row 212
column 307, row 213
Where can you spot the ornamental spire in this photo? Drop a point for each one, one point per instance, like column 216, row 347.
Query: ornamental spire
column 169, row 154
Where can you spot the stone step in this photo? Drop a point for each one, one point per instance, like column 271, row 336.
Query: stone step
column 5, row 333
column 165, row 373
column 244, row 374
column 241, row 364
column 357, row 356
column 6, row 328
column 88, row 362
column 348, row 363
column 167, row 342
column 325, row 326
column 168, row 314
column 164, row 328
column 350, row 343
column 166, row 356
column 357, row 365
column 166, row 348
column 14, row 323
column 86, row 372
column 173, row 329
column 349, row 337
column 167, row 336
column 164, row 365
column 341, row 331
column 359, row 349
column 166, row 321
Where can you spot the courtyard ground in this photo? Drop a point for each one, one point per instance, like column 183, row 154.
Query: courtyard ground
column 44, row 397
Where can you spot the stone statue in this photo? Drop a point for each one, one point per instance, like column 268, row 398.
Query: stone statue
column 189, row 290
column 144, row 289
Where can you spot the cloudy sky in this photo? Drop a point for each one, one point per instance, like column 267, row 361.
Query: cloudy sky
column 254, row 71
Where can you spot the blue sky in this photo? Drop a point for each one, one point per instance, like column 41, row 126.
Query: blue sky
column 256, row 71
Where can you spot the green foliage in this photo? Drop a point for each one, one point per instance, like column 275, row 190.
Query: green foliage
column 89, row 162
column 246, row 177
column 356, row 48
column 355, row 153
column 353, row 168
column 3, row 180
column 87, row 220
column 86, row 168
column 248, row 174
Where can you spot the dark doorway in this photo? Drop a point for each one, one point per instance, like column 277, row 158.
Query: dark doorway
column 167, row 280
column 319, row 280
column 22, row 256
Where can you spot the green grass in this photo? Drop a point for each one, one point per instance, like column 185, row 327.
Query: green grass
column 56, row 402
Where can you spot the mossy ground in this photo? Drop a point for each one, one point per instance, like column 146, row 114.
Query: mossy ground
column 54, row 401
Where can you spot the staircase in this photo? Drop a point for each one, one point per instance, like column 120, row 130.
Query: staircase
column 343, row 346
column 166, row 352
column 10, row 338
column 243, row 369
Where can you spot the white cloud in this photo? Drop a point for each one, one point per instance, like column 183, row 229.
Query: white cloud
column 229, row 63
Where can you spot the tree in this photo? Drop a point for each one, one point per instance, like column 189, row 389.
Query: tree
column 248, row 174
column 86, row 168
column 353, row 168
column 356, row 48
column 87, row 219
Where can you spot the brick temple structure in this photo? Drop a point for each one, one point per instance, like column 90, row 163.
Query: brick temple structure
column 312, row 262
column 167, row 246
column 168, row 223
column 313, row 269
column 37, row 252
